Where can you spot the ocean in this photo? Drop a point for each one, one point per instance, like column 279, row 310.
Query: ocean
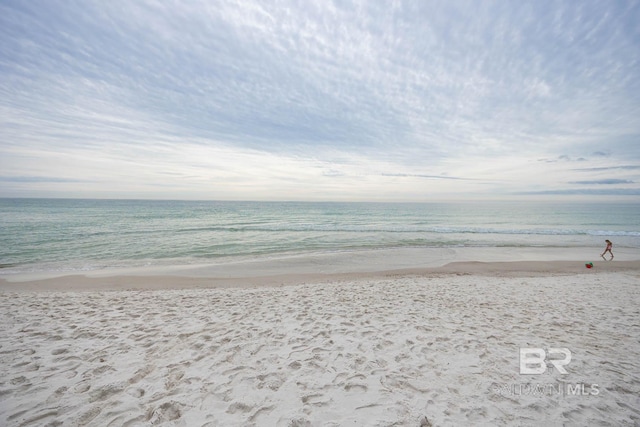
column 39, row 235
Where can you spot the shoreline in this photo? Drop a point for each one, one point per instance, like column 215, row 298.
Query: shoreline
column 204, row 277
column 360, row 340
column 327, row 261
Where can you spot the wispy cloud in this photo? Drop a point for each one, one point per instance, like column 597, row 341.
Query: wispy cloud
column 609, row 181
column 585, row 192
column 606, row 168
column 405, row 175
column 34, row 179
column 262, row 99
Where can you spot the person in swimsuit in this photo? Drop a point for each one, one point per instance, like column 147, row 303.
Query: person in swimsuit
column 608, row 249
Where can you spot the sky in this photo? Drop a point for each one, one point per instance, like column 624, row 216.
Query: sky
column 320, row 100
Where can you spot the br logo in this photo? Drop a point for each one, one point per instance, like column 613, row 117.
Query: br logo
column 533, row 360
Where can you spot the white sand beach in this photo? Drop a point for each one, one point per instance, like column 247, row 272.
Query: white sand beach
column 438, row 346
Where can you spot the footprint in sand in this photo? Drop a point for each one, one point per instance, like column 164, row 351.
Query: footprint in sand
column 89, row 415
column 295, row 422
column 174, row 378
column 71, row 374
column 136, row 392
column 295, row 365
column 83, row 387
column 141, row 373
column 18, row 380
column 355, row 387
column 316, row 400
column 104, row 393
column 271, row 381
column 238, row 407
column 168, row 411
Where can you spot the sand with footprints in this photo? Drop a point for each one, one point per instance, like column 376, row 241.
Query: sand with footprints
column 416, row 350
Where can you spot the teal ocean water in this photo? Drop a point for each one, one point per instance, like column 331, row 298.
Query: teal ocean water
column 75, row 235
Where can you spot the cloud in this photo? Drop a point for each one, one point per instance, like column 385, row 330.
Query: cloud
column 268, row 99
column 609, row 181
column 424, row 176
column 563, row 158
column 38, row 179
column 606, row 168
column 585, row 192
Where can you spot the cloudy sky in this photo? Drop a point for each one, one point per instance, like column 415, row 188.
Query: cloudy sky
column 320, row 100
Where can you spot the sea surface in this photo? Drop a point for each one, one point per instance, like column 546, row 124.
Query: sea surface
column 78, row 235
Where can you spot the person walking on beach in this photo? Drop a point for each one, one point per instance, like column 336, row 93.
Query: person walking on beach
column 608, row 249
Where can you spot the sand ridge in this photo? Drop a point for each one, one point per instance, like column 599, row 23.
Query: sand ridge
column 150, row 280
